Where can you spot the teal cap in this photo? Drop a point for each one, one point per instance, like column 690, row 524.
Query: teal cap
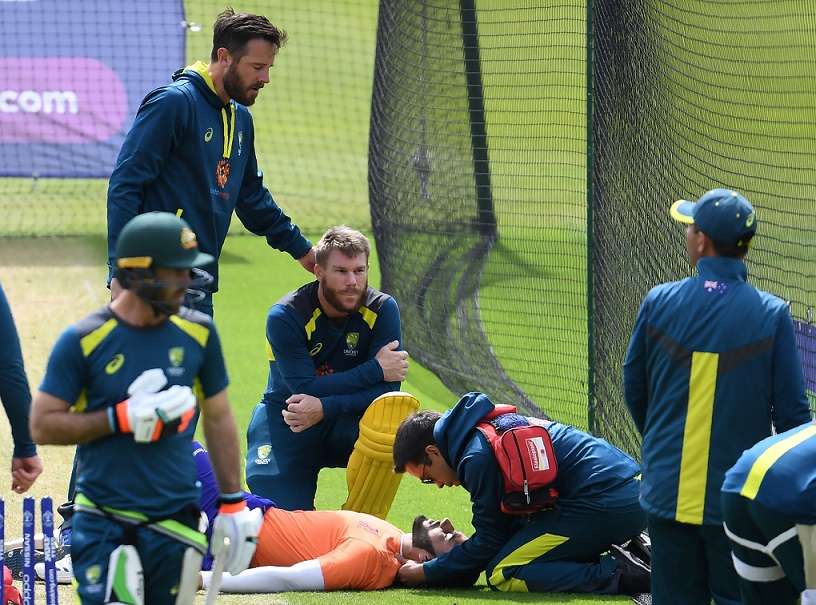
column 159, row 239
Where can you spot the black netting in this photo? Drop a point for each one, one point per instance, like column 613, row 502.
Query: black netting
column 483, row 239
column 689, row 96
column 477, row 184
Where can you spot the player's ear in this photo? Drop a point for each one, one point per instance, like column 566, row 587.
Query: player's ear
column 223, row 55
column 431, row 449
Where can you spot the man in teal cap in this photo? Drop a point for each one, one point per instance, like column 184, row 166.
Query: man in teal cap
column 126, row 383
column 712, row 367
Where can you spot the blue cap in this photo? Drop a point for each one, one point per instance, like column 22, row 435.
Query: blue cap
column 722, row 214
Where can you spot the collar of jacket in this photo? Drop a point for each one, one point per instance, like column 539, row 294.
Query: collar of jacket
column 721, row 267
column 199, row 74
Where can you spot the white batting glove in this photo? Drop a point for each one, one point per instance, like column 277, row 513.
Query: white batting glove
column 149, row 381
column 235, row 535
column 150, row 413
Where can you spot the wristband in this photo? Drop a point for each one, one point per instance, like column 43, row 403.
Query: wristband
column 118, row 418
column 112, row 419
column 230, row 503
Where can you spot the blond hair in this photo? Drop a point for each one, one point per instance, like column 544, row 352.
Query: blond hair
column 345, row 239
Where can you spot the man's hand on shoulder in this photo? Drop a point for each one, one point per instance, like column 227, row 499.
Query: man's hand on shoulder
column 302, row 412
column 394, row 363
column 308, row 260
column 411, row 573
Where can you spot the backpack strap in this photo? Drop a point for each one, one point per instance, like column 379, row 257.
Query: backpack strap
column 500, row 410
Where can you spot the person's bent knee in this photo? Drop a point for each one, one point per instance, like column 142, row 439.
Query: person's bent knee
column 497, row 581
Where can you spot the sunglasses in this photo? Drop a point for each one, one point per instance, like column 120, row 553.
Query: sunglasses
column 423, row 478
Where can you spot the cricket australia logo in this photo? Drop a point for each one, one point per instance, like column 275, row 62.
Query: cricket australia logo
column 352, row 338
column 750, row 220
column 93, row 574
column 263, row 454
column 176, row 357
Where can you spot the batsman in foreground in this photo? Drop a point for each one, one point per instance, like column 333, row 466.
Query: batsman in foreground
column 333, row 348
column 125, row 383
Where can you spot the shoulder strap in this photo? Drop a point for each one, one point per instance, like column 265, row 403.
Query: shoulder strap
column 500, row 409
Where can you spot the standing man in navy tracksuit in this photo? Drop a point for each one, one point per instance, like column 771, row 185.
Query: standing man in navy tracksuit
column 712, row 366
column 191, row 150
column 26, row 465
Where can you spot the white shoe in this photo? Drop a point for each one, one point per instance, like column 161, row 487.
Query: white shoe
column 65, row 570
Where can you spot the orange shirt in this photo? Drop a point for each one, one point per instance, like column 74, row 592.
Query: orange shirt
column 355, row 550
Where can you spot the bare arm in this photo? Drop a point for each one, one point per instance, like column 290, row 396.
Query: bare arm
column 52, row 422
column 221, row 435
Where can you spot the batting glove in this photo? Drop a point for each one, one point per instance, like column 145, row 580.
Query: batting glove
column 150, row 413
column 235, row 533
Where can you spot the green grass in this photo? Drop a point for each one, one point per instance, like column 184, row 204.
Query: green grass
column 253, row 277
column 735, row 113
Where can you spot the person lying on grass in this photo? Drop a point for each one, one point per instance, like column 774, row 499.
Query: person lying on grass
column 324, row 550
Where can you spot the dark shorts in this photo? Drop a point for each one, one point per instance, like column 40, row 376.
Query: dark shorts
column 95, row 538
column 283, row 466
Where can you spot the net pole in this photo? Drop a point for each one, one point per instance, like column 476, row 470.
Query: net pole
column 590, row 167
column 485, row 215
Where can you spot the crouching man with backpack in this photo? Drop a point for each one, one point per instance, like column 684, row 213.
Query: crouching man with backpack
column 549, row 501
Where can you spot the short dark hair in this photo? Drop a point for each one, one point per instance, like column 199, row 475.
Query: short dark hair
column 413, row 436
column 730, row 250
column 420, row 538
column 234, row 30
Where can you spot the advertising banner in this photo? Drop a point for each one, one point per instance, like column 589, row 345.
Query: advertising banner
column 72, row 75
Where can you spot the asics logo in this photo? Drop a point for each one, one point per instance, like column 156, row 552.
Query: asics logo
column 115, row 363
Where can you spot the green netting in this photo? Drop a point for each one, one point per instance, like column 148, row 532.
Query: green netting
column 311, row 122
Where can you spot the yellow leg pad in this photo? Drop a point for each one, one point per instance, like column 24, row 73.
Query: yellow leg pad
column 372, row 482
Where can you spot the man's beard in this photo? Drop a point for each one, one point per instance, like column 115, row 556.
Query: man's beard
column 333, row 298
column 236, row 89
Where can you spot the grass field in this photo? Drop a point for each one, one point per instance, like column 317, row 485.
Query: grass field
column 52, row 282
column 731, row 113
